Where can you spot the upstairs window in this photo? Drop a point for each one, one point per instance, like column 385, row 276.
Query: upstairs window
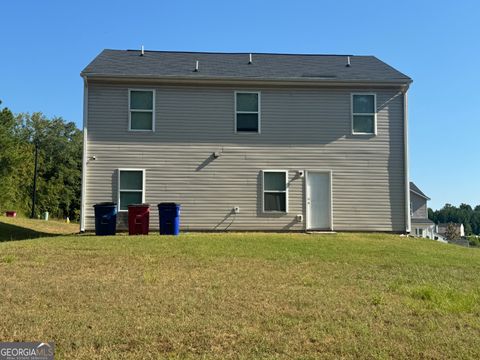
column 141, row 110
column 364, row 114
column 131, row 187
column 247, row 112
column 275, row 196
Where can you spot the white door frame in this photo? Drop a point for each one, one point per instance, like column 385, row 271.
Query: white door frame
column 307, row 211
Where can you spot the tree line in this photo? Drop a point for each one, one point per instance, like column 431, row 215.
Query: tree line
column 59, row 164
column 464, row 214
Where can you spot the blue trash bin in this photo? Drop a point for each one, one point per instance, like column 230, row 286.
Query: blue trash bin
column 169, row 218
column 105, row 218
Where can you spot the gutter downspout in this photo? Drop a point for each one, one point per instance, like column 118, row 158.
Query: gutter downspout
column 84, row 156
column 408, row 224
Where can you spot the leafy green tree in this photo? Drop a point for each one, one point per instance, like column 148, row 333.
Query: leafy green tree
column 465, row 207
column 59, row 164
column 475, row 221
column 14, row 163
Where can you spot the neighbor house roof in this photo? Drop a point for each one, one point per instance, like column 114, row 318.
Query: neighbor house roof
column 225, row 66
column 444, row 225
column 414, row 188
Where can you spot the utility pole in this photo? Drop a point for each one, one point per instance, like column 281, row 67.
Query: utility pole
column 34, row 194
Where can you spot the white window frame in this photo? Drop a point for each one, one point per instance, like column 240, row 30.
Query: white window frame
column 258, row 112
column 141, row 110
column 374, row 113
column 120, row 190
column 275, row 191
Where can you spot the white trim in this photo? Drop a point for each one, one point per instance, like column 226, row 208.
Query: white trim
column 118, row 186
column 141, row 110
column 352, row 114
column 307, row 212
column 258, row 112
column 275, row 191
column 408, row 222
column 199, row 79
column 84, row 156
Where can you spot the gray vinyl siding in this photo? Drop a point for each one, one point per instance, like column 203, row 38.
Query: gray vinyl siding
column 419, row 206
column 301, row 129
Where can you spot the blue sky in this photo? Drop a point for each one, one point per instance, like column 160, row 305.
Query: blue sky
column 45, row 45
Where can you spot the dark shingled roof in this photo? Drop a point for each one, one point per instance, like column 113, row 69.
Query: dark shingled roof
column 422, row 221
column 289, row 67
column 416, row 190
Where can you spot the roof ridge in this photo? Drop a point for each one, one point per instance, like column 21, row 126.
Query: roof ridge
column 238, row 53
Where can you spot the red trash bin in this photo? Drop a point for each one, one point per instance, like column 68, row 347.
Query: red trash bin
column 138, row 219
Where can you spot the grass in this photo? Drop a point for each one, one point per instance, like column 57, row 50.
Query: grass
column 22, row 228
column 242, row 296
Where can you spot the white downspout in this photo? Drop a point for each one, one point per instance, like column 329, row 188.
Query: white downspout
column 84, row 156
column 406, row 162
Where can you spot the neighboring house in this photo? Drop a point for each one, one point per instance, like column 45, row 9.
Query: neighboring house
column 442, row 229
column 422, row 226
column 248, row 141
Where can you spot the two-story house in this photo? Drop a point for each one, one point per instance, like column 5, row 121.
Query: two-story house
column 248, row 141
column 422, row 226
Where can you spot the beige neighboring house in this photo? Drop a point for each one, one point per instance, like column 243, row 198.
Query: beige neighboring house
column 442, row 229
column 422, row 226
column 276, row 142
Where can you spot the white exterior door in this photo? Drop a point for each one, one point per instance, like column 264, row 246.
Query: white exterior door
column 319, row 200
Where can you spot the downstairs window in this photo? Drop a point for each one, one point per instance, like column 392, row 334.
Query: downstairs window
column 131, row 187
column 275, row 194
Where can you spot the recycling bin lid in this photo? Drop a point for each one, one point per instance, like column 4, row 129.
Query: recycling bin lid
column 168, row 204
column 105, row 204
column 139, row 205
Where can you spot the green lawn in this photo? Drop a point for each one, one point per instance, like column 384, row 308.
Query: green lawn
column 22, row 228
column 354, row 296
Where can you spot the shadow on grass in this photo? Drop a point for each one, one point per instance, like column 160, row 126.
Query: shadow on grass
column 9, row 232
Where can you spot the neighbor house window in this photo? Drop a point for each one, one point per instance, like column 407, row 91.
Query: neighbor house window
column 141, row 110
column 247, row 112
column 364, row 114
column 131, row 187
column 275, row 195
